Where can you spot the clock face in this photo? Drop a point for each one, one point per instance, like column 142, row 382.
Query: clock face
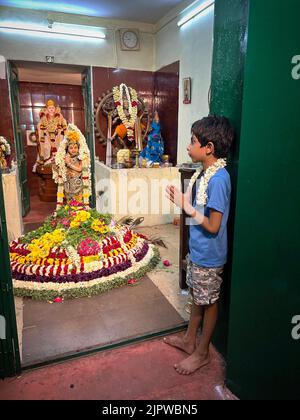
column 130, row 39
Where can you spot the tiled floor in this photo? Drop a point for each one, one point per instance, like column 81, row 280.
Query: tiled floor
column 56, row 330
column 39, row 210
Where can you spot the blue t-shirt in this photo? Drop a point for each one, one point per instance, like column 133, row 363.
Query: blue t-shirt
column 207, row 249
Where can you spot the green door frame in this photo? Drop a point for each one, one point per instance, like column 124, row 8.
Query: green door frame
column 10, row 363
column 20, row 151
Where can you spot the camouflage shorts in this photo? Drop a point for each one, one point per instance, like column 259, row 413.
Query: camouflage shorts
column 205, row 282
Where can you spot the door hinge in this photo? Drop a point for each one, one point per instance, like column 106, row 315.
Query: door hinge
column 2, row 328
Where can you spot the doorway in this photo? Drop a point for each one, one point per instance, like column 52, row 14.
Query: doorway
column 152, row 306
column 53, row 331
column 32, row 84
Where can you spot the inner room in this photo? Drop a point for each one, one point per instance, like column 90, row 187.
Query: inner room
column 145, row 70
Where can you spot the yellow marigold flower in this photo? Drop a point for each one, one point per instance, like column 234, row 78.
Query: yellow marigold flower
column 40, row 248
column 90, row 258
column 73, row 136
column 74, row 224
column 97, row 225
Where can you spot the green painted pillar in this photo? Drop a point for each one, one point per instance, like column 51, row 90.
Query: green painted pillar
column 256, row 83
column 263, row 357
column 230, row 45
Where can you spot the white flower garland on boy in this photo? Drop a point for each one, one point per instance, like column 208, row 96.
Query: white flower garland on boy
column 208, row 174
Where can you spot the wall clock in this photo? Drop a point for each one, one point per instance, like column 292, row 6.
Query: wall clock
column 130, row 39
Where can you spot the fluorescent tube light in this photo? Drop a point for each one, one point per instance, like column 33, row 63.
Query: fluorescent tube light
column 78, row 30
column 203, row 6
column 56, row 30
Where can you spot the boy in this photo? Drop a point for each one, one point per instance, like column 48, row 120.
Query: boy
column 210, row 143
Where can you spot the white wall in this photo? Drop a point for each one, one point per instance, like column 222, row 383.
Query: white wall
column 192, row 45
column 106, row 53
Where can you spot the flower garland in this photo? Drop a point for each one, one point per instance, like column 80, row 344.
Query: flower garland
column 78, row 259
column 88, row 286
column 208, row 174
column 58, row 253
column 60, row 173
column 73, row 256
column 5, row 146
column 40, row 248
column 131, row 96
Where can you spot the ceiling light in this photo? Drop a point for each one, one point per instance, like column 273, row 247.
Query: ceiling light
column 78, row 30
column 55, row 29
column 203, row 6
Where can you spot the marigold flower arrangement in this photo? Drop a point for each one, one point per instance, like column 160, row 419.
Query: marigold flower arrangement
column 78, row 253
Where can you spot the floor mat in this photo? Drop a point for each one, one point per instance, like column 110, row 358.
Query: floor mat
column 54, row 330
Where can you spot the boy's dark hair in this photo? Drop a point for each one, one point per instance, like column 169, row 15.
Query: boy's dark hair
column 216, row 130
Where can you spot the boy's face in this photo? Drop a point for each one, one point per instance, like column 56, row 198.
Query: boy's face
column 195, row 151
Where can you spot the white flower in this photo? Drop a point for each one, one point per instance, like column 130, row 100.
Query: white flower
column 84, row 156
column 5, row 146
column 73, row 256
column 61, row 287
column 131, row 96
column 208, row 174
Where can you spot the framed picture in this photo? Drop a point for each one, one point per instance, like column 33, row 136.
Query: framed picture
column 31, row 138
column 187, row 86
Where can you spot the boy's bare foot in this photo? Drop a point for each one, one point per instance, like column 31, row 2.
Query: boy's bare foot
column 192, row 363
column 180, row 343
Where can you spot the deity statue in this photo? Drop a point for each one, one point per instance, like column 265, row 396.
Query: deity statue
column 127, row 121
column 72, row 169
column 50, row 132
column 154, row 150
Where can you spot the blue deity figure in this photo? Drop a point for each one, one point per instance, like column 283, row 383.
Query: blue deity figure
column 155, row 146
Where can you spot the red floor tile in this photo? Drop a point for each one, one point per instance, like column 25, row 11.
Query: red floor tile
column 141, row 371
column 39, row 210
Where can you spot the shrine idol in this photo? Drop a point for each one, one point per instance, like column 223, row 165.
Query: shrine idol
column 77, row 252
column 50, row 132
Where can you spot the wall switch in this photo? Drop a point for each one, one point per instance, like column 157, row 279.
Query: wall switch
column 49, row 58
